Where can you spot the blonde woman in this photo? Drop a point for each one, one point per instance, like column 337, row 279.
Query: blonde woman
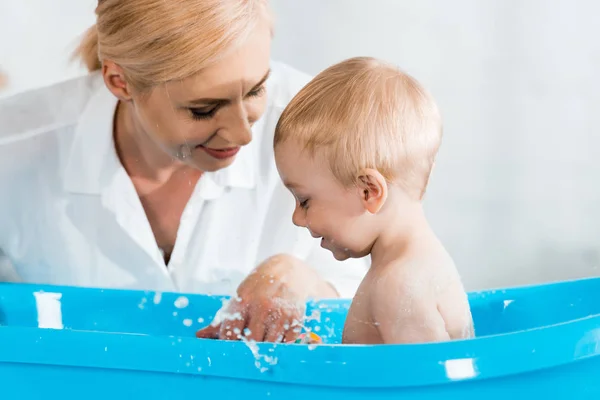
column 156, row 170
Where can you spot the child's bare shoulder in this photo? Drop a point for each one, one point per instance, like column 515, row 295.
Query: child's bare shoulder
column 400, row 286
column 403, row 305
column 402, row 277
column 424, row 292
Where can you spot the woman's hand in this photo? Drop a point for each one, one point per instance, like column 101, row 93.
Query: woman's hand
column 271, row 303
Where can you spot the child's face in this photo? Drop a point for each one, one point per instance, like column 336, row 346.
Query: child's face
column 327, row 209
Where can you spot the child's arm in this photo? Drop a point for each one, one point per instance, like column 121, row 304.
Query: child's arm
column 406, row 312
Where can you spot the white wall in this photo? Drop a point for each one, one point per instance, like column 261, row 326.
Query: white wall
column 516, row 191
column 37, row 38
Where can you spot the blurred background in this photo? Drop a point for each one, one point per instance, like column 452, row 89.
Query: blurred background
column 515, row 195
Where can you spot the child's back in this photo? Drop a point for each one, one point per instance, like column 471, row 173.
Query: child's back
column 356, row 147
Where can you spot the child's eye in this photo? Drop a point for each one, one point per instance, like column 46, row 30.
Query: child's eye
column 304, row 204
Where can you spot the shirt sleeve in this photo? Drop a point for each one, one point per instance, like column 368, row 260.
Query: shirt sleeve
column 7, row 271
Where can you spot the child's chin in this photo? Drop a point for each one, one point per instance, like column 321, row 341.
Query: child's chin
column 340, row 256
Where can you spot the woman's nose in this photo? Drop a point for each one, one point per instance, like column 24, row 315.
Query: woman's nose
column 238, row 126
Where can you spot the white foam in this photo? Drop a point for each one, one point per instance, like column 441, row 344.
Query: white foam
column 223, row 314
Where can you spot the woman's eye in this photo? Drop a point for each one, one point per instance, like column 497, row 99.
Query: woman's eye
column 202, row 113
column 256, row 92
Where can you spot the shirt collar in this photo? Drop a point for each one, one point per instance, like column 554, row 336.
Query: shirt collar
column 93, row 162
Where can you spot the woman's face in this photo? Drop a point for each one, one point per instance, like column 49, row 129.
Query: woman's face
column 204, row 120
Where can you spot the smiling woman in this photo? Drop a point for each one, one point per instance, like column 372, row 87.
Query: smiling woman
column 156, row 170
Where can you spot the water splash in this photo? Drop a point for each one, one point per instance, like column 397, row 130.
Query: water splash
column 224, row 313
column 261, row 361
column 142, row 303
column 182, row 302
column 330, row 331
column 315, row 315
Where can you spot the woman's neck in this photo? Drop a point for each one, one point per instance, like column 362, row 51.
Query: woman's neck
column 140, row 155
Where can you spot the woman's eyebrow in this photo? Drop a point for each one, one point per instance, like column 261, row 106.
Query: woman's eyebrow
column 207, row 101
column 263, row 80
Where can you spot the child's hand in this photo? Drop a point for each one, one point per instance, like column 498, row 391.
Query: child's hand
column 271, row 303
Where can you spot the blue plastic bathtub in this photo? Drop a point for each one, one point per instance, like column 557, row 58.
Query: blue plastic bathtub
column 541, row 341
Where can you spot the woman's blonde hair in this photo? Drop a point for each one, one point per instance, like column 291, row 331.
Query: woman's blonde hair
column 364, row 113
column 157, row 41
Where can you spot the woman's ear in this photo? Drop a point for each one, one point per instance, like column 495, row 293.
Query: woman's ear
column 373, row 189
column 114, row 78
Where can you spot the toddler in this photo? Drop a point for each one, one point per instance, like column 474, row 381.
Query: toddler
column 356, row 147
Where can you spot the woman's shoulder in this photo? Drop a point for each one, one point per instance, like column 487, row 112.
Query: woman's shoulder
column 46, row 109
column 36, row 126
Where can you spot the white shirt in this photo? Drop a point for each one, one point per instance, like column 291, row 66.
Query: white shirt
column 69, row 214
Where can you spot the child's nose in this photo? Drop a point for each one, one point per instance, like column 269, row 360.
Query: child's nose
column 298, row 218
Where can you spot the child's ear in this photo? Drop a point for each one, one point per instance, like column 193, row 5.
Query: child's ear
column 373, row 189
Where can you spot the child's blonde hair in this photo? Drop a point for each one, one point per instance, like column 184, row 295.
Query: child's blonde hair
column 156, row 41
column 364, row 113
